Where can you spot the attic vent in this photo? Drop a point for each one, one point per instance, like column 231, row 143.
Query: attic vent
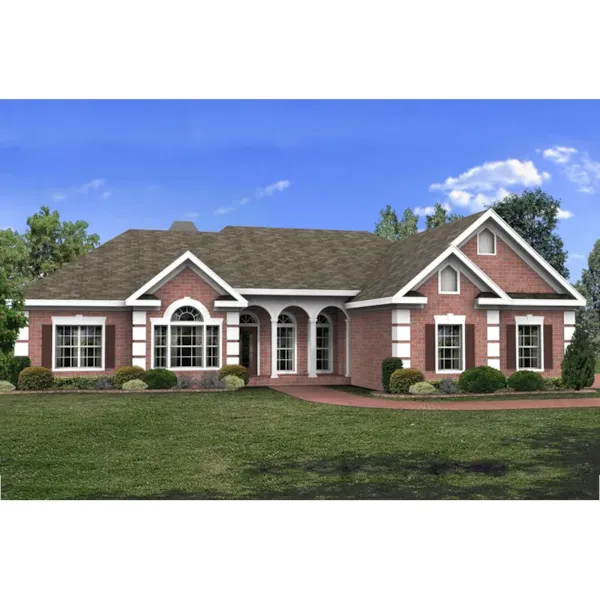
column 183, row 226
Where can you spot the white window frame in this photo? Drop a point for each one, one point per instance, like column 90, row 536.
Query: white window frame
column 257, row 325
column 443, row 268
column 294, row 326
column 166, row 320
column 529, row 320
column 77, row 321
column 450, row 319
column 330, row 335
column 495, row 243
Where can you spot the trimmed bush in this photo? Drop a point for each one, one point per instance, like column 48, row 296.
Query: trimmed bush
column 104, row 383
column 526, row 381
column 184, row 383
column 481, row 380
column 134, row 385
column 211, row 382
column 402, row 379
column 35, row 378
column 552, row 384
column 125, row 374
column 7, row 386
column 422, row 387
column 435, row 383
column 161, row 379
column 237, row 370
column 233, row 382
column 11, row 366
column 388, row 366
column 579, row 362
column 448, row 386
column 77, row 383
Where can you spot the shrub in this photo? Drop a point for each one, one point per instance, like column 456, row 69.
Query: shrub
column 125, row 374
column 104, row 383
column 134, row 385
column 6, row 386
column 448, row 386
column 76, row 383
column 35, row 378
column 211, row 382
column 233, row 382
column 422, row 387
column 388, row 366
column 237, row 370
column 579, row 361
column 435, row 383
column 402, row 379
column 11, row 366
column 481, row 380
column 184, row 383
column 552, row 384
column 526, row 381
column 160, row 379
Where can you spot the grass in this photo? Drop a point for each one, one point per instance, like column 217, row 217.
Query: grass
column 263, row 444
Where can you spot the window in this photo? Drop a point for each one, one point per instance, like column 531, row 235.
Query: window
column 529, row 347
column 286, row 343
column 449, row 348
column 78, row 347
column 193, row 345
column 248, row 319
column 449, row 281
column 486, row 242
column 324, row 336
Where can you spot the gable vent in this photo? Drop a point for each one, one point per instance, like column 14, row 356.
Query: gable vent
column 183, row 226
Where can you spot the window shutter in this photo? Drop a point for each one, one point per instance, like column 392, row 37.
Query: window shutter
column 548, row 358
column 469, row 346
column 109, row 352
column 430, row 347
column 47, row 346
column 511, row 347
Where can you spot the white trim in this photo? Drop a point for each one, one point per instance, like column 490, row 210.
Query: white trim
column 401, row 350
column 76, row 321
column 331, row 345
column 388, row 300
column 450, row 319
column 233, row 360
column 348, row 342
column 495, row 243
column 440, row 270
column 494, row 363
column 230, row 304
column 138, row 333
column 491, row 214
column 138, row 317
column 257, row 325
column 145, row 303
column 23, row 334
column 191, row 257
column 102, row 303
column 493, row 317
column 138, row 349
column 294, row 324
column 569, row 317
column 293, row 292
column 21, row 349
column 529, row 320
column 569, row 331
column 493, row 333
column 233, row 333
column 401, row 316
column 527, row 302
column 233, row 348
column 405, row 363
column 232, row 318
column 400, row 333
column 493, row 349
column 139, row 361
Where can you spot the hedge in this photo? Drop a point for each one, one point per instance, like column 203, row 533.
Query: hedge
column 160, row 379
column 526, row 381
column 35, row 378
column 388, row 366
column 237, row 370
column 125, row 374
column 481, row 380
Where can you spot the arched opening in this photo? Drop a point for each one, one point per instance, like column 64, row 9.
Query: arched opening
column 287, row 351
column 250, row 341
column 332, row 342
column 324, row 343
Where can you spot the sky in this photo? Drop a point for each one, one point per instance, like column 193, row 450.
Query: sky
column 321, row 164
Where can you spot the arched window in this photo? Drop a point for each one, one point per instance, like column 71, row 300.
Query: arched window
column 248, row 319
column 324, row 343
column 193, row 345
column 449, row 280
column 286, row 343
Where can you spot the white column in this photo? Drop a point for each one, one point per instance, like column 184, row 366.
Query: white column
column 233, row 338
column 274, row 348
column 493, row 338
column 312, row 347
column 401, row 335
column 347, row 347
column 138, row 336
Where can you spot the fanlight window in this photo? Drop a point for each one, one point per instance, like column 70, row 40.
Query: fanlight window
column 187, row 313
column 283, row 319
column 248, row 319
column 286, row 343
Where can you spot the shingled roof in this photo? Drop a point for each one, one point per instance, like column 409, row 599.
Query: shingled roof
column 252, row 257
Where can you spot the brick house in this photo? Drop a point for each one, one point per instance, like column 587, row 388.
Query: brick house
column 303, row 305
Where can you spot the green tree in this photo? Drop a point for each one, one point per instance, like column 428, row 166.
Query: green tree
column 533, row 215
column 12, row 317
column 579, row 362
column 408, row 225
column 440, row 216
column 590, row 278
column 13, row 256
column 387, row 226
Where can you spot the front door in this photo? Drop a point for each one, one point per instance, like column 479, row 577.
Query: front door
column 248, row 349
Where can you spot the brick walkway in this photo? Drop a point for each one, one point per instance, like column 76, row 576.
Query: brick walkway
column 323, row 395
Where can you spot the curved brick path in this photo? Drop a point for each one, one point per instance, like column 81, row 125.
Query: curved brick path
column 324, row 395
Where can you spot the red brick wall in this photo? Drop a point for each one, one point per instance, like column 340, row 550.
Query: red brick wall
column 506, row 268
column 371, row 342
column 442, row 304
column 120, row 319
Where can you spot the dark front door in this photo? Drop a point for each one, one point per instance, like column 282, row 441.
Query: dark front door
column 248, row 348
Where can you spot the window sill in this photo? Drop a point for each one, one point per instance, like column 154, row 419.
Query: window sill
column 78, row 369
column 455, row 372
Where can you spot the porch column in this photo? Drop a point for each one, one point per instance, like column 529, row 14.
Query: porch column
column 138, row 336
column 274, row 348
column 312, row 347
column 347, row 347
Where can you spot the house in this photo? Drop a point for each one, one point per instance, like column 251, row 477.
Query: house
column 304, row 305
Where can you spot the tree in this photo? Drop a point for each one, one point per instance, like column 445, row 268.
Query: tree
column 533, row 215
column 408, row 225
column 13, row 256
column 579, row 362
column 590, row 278
column 387, row 226
column 440, row 216
column 12, row 317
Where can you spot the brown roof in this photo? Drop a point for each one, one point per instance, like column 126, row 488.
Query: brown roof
column 252, row 257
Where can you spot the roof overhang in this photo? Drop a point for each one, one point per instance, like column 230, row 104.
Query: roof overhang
column 294, row 292
column 35, row 303
column 537, row 302
column 414, row 300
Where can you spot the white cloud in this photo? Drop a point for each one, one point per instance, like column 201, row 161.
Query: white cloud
column 559, row 154
column 269, row 190
column 244, row 200
column 106, row 195
column 191, row 215
column 577, row 256
column 423, row 211
column 91, row 186
column 563, row 214
column 223, row 210
column 58, row 196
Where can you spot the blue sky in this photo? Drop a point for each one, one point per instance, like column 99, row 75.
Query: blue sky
column 329, row 164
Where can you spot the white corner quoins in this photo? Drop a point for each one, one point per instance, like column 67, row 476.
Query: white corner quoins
column 138, row 336
column 493, row 338
column 401, row 335
column 233, row 338
column 22, row 343
column 569, row 324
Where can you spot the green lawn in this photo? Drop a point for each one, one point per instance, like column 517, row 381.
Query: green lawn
column 262, row 444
